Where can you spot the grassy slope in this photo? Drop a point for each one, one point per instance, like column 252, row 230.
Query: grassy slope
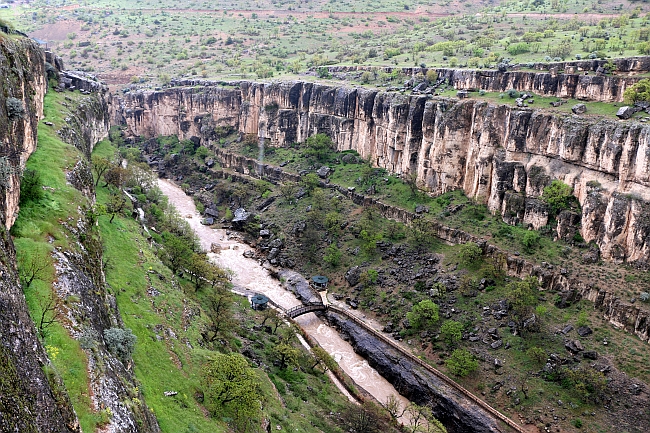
column 170, row 365
column 37, row 225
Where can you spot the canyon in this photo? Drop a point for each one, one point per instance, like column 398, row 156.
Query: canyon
column 499, row 155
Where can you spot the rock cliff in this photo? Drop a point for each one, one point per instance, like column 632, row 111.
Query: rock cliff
column 498, row 154
column 30, row 399
column 578, row 80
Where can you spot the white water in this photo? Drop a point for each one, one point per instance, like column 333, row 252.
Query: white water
column 249, row 274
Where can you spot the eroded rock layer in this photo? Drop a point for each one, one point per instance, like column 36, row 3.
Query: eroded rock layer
column 501, row 155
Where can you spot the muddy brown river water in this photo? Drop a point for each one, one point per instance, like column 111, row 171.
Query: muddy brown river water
column 249, row 274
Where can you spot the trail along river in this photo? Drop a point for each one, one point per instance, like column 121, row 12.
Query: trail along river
column 249, row 274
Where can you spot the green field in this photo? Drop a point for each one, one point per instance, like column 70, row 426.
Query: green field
column 149, row 43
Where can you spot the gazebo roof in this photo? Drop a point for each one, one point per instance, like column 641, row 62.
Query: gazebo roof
column 320, row 279
column 259, row 299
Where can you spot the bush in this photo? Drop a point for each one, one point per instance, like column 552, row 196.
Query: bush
column 638, row 92
column 31, row 186
column 461, row 363
column 530, row 240
column 120, row 342
column 15, row 108
column 512, row 93
column 558, row 196
column 470, row 252
column 452, row 332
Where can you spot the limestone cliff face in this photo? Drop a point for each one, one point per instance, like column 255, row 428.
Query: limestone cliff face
column 30, row 400
column 23, row 81
column 500, row 155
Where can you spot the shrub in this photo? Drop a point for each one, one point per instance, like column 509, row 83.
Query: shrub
column 451, row 331
column 432, row 76
column 558, row 196
column 470, row 252
column 120, row 342
column 530, row 240
column 15, row 108
column 461, row 363
column 31, row 186
column 538, row 355
column 512, row 93
column 638, row 92
column 424, row 314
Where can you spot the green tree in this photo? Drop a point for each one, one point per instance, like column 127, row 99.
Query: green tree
column 117, row 202
column 318, row 147
column 286, row 354
column 231, row 389
column 530, row 240
column 470, row 252
column 309, row 181
column 537, row 354
column 369, row 241
column 175, row 252
column 638, row 92
column 522, row 297
column 218, row 307
column 452, row 332
column 423, row 315
column 100, row 166
column 332, row 255
column 323, row 359
column 558, row 196
column 31, row 186
column 461, row 363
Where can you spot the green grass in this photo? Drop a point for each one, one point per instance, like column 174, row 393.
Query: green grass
column 38, row 224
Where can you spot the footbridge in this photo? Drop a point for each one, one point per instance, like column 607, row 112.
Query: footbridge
column 304, row 309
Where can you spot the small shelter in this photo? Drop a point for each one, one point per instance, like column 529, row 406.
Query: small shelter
column 319, row 282
column 259, row 302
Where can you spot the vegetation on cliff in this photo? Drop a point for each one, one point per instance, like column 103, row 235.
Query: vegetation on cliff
column 527, row 331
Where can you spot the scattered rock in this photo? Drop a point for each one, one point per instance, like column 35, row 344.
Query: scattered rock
column 583, row 331
column 353, row 275
column 590, row 354
column 324, row 171
column 625, row 112
column 574, row 346
column 579, row 109
column 496, row 344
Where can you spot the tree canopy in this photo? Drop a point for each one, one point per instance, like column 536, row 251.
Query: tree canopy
column 424, row 314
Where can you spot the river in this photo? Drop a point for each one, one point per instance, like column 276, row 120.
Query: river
column 249, row 274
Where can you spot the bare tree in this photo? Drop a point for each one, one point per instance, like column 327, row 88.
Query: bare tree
column 49, row 312
column 100, row 166
column 394, row 407
column 33, row 266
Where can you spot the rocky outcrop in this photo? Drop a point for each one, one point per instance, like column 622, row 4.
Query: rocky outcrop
column 31, row 399
column 87, row 124
column 451, row 407
column 499, row 155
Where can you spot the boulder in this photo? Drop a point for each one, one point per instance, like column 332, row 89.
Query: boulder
column 574, row 346
column 625, row 112
column 353, row 275
column 350, row 159
column 590, row 354
column 583, row 331
column 324, row 171
column 579, row 109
